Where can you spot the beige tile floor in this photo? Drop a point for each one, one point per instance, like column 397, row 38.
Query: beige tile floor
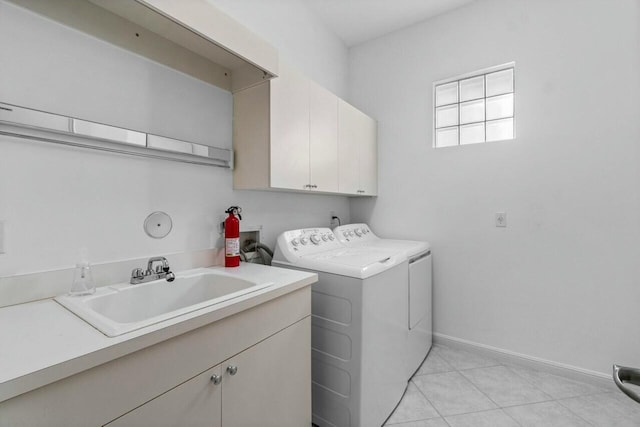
column 455, row 388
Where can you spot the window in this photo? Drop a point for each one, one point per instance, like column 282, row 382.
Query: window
column 477, row 107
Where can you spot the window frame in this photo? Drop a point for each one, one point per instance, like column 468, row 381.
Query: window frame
column 457, row 79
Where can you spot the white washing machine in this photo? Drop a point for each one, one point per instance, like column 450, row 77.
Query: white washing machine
column 358, row 326
column 419, row 284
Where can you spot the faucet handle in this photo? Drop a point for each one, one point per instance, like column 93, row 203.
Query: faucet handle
column 137, row 273
column 165, row 265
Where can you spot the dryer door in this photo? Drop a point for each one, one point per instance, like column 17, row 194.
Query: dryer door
column 419, row 288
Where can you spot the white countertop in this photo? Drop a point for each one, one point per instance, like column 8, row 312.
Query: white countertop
column 42, row 342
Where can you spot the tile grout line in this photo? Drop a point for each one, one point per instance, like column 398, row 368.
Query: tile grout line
column 427, row 399
column 499, row 407
column 489, row 410
column 551, row 399
column 456, row 370
column 601, row 389
column 420, row 390
column 572, row 411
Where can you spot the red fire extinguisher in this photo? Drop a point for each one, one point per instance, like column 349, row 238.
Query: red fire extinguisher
column 232, row 237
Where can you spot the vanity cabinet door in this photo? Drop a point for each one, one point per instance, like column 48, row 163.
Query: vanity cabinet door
column 196, row 403
column 271, row 381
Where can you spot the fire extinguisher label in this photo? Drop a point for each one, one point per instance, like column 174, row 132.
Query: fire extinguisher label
column 232, row 247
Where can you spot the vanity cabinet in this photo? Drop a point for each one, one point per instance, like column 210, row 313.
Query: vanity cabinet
column 291, row 134
column 258, row 387
column 169, row 383
column 357, row 151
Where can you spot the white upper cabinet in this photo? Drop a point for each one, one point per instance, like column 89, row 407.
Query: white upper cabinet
column 290, row 130
column 357, row 151
column 323, row 139
column 292, row 134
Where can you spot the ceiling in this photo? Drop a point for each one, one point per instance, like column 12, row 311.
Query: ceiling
column 356, row 21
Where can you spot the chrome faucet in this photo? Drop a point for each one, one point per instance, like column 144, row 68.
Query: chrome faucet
column 161, row 271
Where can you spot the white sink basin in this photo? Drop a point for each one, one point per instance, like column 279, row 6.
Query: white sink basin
column 118, row 309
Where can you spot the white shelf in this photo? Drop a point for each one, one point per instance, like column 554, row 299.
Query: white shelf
column 42, row 126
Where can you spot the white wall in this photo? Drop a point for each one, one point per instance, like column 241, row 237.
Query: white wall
column 561, row 282
column 302, row 39
column 55, row 200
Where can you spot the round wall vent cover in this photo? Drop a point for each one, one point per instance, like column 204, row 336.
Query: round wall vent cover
column 158, row 225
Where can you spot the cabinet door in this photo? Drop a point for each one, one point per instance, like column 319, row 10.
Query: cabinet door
column 348, row 151
column 323, row 139
column 368, row 155
column 290, row 130
column 272, row 384
column 196, row 402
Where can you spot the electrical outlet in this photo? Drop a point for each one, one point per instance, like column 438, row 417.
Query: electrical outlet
column 2, row 238
column 335, row 221
column 501, row 219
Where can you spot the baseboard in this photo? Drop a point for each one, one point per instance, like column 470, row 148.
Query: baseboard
column 568, row 371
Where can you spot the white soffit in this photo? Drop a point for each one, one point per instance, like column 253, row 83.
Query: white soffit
column 356, row 21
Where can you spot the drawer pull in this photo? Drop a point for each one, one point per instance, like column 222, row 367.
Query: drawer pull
column 232, row 370
column 216, row 379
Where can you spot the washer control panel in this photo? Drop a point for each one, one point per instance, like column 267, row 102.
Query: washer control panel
column 307, row 241
column 354, row 233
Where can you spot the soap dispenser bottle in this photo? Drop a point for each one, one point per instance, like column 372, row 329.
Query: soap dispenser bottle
column 83, row 278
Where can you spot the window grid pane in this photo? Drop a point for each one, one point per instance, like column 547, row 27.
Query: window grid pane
column 472, row 134
column 475, row 109
column 446, row 116
column 500, row 107
column 472, row 111
column 500, row 82
column 499, row 130
column 447, row 137
column 447, row 94
column 472, row 88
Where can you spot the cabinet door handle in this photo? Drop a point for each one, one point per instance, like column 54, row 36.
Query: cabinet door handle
column 216, row 379
column 232, row 370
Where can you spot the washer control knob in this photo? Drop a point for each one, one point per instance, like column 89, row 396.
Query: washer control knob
column 304, row 240
column 315, row 239
column 345, row 233
column 350, row 233
column 325, row 237
column 358, row 232
column 331, row 237
column 295, row 242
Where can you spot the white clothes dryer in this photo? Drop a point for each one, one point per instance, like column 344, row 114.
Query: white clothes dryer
column 419, row 286
column 358, row 326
